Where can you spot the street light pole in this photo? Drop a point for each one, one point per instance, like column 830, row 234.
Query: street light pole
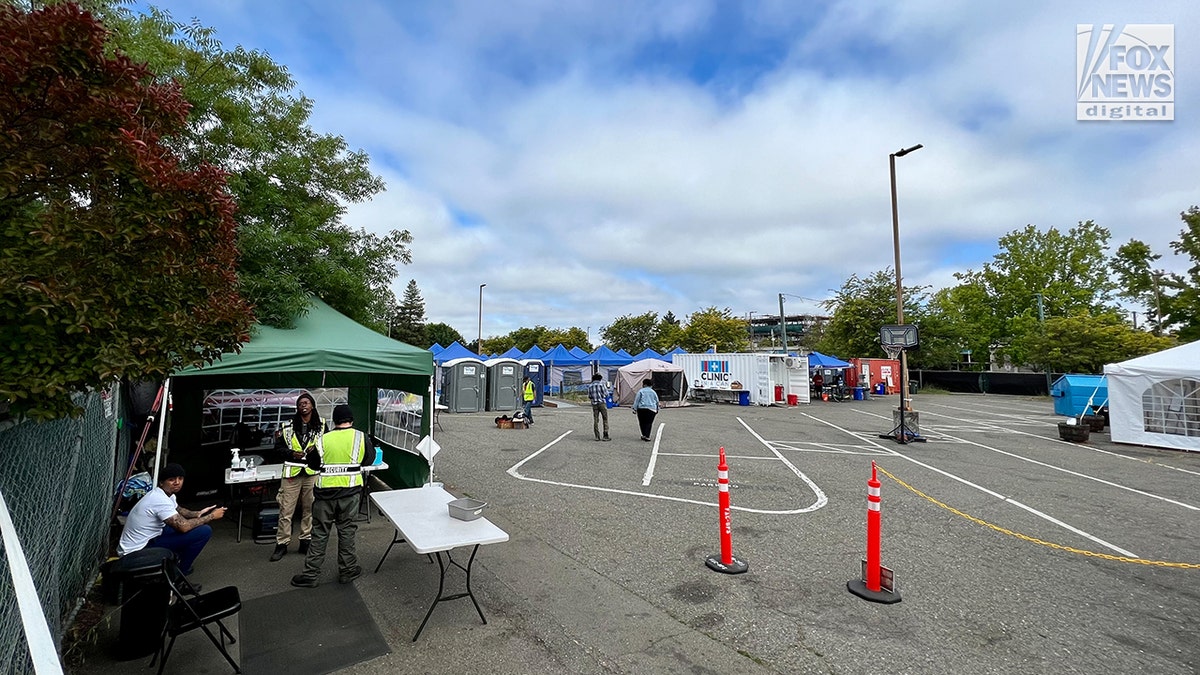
column 1042, row 321
column 907, row 405
column 783, row 325
column 479, row 343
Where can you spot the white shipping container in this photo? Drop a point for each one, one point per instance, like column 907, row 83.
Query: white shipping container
column 725, row 376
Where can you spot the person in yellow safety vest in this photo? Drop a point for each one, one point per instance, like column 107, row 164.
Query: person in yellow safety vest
column 297, row 482
column 338, row 457
column 528, row 398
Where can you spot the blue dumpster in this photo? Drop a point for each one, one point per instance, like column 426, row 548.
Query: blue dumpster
column 858, row 393
column 1073, row 394
column 743, row 398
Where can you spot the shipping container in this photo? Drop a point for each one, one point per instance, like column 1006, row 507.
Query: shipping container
column 746, row 379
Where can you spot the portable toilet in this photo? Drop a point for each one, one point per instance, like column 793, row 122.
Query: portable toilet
column 504, row 384
column 464, row 384
column 535, row 370
column 1073, row 394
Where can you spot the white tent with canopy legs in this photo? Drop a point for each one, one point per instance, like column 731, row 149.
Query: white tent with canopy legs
column 1155, row 399
column 668, row 380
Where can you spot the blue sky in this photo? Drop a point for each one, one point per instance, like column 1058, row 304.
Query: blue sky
column 588, row 160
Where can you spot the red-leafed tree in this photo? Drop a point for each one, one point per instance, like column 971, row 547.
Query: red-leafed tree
column 114, row 261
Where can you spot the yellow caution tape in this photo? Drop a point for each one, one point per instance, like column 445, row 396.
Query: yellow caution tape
column 1018, row 535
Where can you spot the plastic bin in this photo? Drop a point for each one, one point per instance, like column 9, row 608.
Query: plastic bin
column 793, row 399
column 858, row 393
column 743, row 398
column 140, row 587
column 779, row 392
column 880, row 389
column 466, row 508
column 913, row 386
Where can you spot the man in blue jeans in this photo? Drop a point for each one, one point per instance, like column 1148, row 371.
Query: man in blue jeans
column 157, row 520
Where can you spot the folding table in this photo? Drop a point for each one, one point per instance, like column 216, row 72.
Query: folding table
column 422, row 519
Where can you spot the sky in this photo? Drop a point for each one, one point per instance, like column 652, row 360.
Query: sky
column 590, row 160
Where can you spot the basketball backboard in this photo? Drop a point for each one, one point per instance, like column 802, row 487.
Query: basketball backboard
column 899, row 335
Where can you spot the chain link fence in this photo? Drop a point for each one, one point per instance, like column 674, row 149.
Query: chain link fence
column 59, row 480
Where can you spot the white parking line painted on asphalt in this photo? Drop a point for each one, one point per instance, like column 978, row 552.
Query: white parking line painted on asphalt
column 653, row 457
column 986, row 491
column 822, row 500
column 515, row 472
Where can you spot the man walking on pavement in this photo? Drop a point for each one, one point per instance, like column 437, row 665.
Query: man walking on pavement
column 598, row 395
column 338, row 457
column 528, row 397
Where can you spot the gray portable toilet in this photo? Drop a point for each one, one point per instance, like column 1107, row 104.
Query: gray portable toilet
column 504, row 384
column 535, row 370
column 464, row 383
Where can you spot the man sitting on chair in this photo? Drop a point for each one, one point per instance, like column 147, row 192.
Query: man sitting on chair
column 158, row 520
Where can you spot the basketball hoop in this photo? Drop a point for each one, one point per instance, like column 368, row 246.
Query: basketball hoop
column 892, row 351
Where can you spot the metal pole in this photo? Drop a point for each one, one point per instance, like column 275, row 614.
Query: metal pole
column 782, row 324
column 907, row 404
column 479, row 343
column 1042, row 320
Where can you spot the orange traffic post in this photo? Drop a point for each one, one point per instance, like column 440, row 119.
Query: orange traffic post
column 878, row 583
column 726, row 563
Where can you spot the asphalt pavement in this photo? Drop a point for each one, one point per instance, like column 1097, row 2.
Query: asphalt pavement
column 1013, row 551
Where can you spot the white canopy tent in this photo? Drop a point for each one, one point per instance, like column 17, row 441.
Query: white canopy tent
column 669, row 382
column 1155, row 399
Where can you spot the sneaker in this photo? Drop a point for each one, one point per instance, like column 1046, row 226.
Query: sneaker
column 606, row 438
column 301, row 581
column 597, row 438
column 351, row 575
column 304, row 545
column 279, row 552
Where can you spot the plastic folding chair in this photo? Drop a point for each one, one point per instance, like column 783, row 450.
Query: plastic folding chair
column 189, row 611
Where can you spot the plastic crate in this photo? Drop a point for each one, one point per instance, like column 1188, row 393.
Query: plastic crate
column 466, row 508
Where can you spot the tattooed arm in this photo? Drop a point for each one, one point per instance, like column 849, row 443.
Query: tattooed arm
column 186, row 520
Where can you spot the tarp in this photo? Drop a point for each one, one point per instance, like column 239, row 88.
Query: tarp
column 1155, row 399
column 512, row 353
column 622, row 352
column 669, row 382
column 435, row 348
column 535, row 352
column 325, row 349
column 578, row 353
column 819, row 360
column 678, row 350
column 565, row 371
column 649, row 353
column 455, row 351
column 607, row 357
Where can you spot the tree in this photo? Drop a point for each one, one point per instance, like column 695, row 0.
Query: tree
column 712, row 327
column 668, row 334
column 442, row 334
column 115, row 260
column 1081, row 343
column 1172, row 300
column 408, row 322
column 631, row 333
column 860, row 307
column 291, row 184
column 569, row 337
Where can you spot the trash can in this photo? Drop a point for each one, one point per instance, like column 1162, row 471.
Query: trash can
column 144, row 597
column 913, row 386
column 743, row 398
column 858, row 393
column 880, row 389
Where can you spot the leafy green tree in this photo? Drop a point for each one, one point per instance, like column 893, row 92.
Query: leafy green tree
column 292, row 185
column 668, row 334
column 860, row 307
column 116, row 260
column 1082, row 343
column 525, row 338
column 569, row 337
column 631, row 333
column 712, row 327
column 1172, row 301
column 442, row 334
column 408, row 322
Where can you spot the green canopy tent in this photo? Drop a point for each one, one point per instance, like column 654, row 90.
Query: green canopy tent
column 325, row 349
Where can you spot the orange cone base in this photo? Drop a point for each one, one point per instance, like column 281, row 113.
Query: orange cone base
column 859, row 588
column 736, row 567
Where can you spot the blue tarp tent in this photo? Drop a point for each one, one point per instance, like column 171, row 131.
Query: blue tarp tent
column 512, row 353
column 649, row 353
column 535, row 352
column 819, row 360
column 1073, row 394
column 606, row 357
column 678, row 350
column 454, row 351
column 578, row 353
column 565, row 370
column 622, row 352
column 436, row 348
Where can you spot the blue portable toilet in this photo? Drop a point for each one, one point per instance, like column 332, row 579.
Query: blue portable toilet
column 535, row 370
column 1074, row 393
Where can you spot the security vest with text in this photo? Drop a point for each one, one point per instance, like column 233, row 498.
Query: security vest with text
column 297, row 443
column 341, row 452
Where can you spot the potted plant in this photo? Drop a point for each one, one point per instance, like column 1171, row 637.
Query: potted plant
column 1074, row 431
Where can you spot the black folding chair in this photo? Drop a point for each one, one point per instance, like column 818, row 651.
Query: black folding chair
column 189, row 611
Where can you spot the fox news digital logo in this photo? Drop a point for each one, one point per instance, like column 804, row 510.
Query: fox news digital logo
column 1125, row 72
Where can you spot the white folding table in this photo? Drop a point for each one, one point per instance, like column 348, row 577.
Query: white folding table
column 422, row 519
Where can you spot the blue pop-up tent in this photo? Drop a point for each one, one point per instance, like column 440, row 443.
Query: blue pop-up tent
column 819, row 360
column 566, row 370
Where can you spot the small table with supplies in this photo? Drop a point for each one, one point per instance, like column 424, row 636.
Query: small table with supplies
column 267, row 473
column 422, row 519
